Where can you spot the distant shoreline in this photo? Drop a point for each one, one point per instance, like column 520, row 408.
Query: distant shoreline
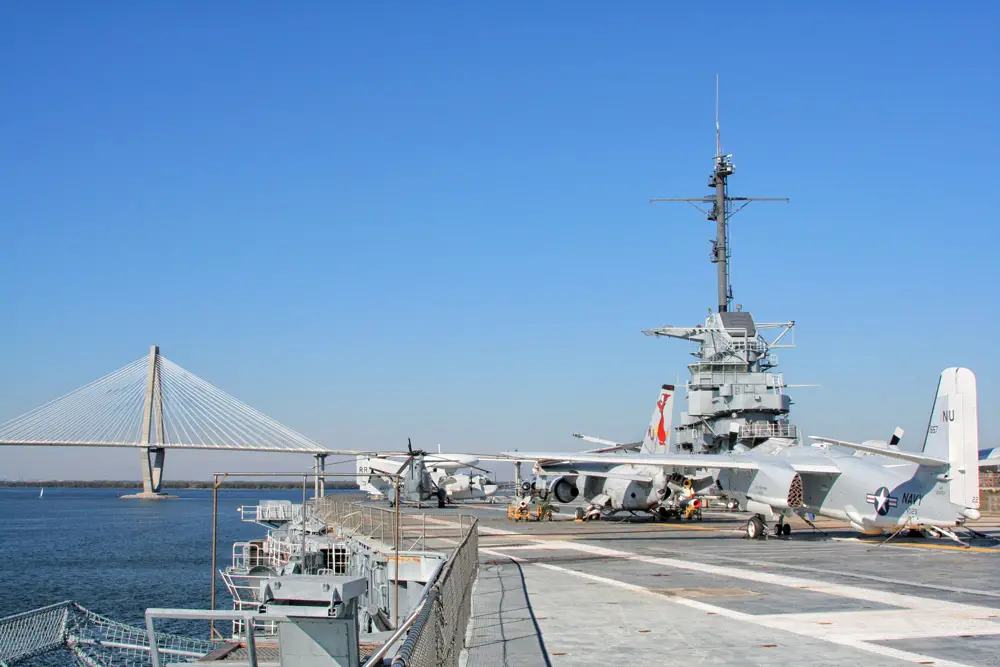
column 167, row 486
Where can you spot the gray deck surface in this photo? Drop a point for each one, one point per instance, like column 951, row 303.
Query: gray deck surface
column 625, row 593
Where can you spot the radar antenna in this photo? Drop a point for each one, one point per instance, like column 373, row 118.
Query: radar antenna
column 723, row 208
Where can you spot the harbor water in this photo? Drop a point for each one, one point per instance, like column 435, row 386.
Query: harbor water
column 117, row 557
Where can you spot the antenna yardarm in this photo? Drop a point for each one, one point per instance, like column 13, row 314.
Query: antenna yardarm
column 723, row 208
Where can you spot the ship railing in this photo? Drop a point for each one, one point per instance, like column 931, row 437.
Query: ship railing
column 250, row 513
column 432, row 634
column 247, row 618
column 244, row 588
column 269, row 512
column 275, row 553
column 260, row 628
column 270, row 553
column 278, row 552
column 248, row 554
column 353, row 518
column 245, row 591
column 748, row 345
column 438, row 623
column 989, row 479
column 762, row 429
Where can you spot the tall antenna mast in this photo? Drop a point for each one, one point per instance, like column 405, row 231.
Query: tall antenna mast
column 723, row 208
column 718, row 131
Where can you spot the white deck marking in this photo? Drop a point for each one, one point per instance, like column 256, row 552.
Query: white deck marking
column 841, row 590
column 876, row 625
column 854, row 575
column 807, row 628
column 483, row 530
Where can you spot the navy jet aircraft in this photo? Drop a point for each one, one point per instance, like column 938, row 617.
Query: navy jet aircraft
column 625, row 483
column 879, row 488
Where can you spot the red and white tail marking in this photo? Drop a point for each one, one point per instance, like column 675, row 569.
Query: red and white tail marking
column 657, row 438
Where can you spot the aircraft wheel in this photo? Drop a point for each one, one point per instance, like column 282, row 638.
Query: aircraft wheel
column 580, row 513
column 442, row 497
column 786, row 530
column 755, row 528
column 778, row 527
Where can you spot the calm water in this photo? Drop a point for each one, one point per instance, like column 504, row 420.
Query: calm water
column 117, row 557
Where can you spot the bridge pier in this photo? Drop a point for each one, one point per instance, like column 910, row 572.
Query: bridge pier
column 319, row 481
column 152, row 469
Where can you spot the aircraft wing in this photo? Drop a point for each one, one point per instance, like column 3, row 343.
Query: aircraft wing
column 665, row 460
column 704, row 461
column 624, row 447
column 815, row 468
column 510, row 457
column 570, row 470
column 608, row 445
column 912, row 457
column 598, row 441
column 989, row 457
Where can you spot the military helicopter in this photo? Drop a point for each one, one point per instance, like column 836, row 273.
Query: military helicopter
column 423, row 476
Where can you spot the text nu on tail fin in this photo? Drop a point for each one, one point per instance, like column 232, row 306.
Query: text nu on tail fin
column 953, row 433
column 657, row 437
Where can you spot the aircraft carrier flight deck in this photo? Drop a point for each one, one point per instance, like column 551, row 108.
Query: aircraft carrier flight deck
column 565, row 592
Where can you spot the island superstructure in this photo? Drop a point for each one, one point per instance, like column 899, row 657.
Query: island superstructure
column 734, row 397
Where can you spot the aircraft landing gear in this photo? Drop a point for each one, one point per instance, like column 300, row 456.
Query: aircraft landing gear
column 756, row 530
column 442, row 498
column 664, row 514
column 782, row 529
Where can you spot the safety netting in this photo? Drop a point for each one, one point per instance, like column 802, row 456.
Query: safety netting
column 66, row 633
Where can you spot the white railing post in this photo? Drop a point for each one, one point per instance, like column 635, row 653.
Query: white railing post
column 154, row 649
column 251, row 642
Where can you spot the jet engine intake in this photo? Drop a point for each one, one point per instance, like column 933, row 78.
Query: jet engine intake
column 778, row 486
column 564, row 490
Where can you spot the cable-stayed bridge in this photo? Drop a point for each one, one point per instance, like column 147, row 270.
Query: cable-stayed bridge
column 154, row 404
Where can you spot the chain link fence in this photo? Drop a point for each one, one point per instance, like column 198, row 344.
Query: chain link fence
column 438, row 634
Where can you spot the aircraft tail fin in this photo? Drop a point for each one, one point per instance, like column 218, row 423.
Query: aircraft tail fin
column 657, row 438
column 953, row 433
column 363, row 469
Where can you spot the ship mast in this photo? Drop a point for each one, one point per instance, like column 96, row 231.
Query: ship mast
column 733, row 398
column 723, row 209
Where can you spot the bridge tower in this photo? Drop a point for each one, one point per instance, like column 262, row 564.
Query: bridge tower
column 152, row 453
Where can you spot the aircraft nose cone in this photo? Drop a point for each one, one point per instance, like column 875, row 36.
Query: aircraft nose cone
column 970, row 513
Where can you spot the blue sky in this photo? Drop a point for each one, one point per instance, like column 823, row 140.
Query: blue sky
column 381, row 220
